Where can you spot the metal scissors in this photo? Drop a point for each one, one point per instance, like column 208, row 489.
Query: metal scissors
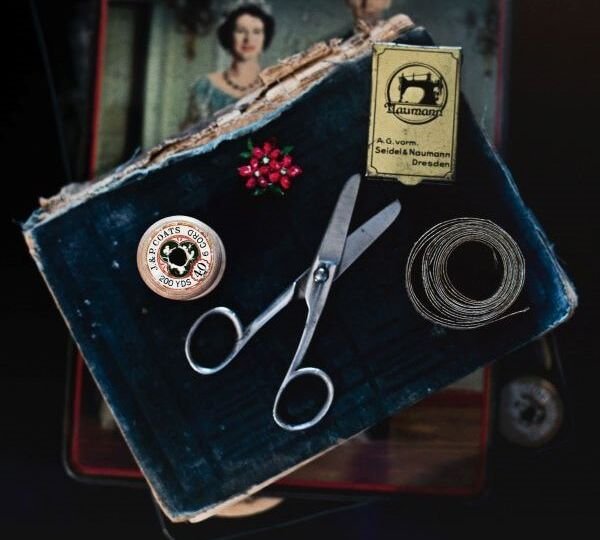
column 336, row 253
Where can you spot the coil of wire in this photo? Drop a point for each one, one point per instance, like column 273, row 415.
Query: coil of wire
column 444, row 304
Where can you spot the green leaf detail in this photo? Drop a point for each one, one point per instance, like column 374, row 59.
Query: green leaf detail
column 246, row 154
column 286, row 150
column 250, row 145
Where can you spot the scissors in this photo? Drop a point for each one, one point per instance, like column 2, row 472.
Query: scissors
column 336, row 253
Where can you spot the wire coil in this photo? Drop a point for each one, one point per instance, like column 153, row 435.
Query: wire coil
column 447, row 306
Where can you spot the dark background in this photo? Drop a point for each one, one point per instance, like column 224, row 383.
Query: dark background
column 551, row 146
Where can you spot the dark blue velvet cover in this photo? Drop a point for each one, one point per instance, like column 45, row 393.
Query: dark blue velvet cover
column 200, row 440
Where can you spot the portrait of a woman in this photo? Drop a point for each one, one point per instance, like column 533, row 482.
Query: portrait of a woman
column 246, row 30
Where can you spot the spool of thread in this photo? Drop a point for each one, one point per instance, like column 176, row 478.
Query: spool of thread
column 181, row 258
column 444, row 304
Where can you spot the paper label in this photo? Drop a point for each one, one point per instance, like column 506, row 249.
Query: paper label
column 180, row 258
column 414, row 110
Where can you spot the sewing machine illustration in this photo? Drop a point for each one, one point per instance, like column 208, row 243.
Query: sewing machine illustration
column 432, row 89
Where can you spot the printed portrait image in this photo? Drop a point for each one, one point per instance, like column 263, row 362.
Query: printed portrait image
column 170, row 65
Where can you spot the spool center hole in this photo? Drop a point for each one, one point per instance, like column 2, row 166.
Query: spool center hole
column 178, row 256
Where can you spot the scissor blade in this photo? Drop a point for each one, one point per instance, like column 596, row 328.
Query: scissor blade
column 366, row 234
column 357, row 242
column 334, row 239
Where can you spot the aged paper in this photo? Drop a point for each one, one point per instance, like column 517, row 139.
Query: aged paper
column 414, row 106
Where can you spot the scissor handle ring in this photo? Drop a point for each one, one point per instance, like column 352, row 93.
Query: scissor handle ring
column 226, row 312
column 305, row 371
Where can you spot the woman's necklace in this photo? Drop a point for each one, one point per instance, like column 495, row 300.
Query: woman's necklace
column 238, row 87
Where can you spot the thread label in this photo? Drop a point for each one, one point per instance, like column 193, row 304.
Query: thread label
column 180, row 258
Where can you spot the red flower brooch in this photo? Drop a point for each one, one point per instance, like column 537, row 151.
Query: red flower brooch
column 270, row 168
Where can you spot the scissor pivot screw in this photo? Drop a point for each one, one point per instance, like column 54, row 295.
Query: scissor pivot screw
column 321, row 274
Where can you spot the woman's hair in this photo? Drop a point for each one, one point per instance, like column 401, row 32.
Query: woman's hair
column 226, row 28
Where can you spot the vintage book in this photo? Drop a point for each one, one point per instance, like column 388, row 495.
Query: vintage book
column 205, row 441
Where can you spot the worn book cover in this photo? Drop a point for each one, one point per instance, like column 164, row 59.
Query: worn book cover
column 203, row 442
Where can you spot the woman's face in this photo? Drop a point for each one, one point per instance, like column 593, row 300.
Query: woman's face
column 248, row 37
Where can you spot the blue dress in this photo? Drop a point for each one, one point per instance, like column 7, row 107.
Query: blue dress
column 205, row 100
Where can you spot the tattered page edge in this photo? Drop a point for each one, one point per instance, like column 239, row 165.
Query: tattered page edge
column 284, row 84
column 236, row 124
